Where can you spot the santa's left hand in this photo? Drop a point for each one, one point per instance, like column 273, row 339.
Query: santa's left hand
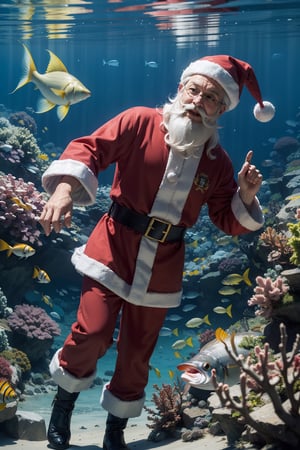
column 249, row 180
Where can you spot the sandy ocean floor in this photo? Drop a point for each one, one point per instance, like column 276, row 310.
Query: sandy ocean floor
column 88, row 435
column 88, row 423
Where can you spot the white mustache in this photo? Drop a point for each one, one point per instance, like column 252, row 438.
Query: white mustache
column 209, row 122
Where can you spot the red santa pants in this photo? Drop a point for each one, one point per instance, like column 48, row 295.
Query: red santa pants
column 92, row 334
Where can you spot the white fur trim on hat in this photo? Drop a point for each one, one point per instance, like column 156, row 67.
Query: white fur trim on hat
column 217, row 73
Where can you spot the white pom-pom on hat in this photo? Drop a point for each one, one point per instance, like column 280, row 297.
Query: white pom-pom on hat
column 232, row 74
column 264, row 114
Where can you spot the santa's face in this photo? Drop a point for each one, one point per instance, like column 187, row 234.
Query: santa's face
column 190, row 120
column 202, row 93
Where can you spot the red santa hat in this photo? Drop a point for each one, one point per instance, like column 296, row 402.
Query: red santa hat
column 232, row 74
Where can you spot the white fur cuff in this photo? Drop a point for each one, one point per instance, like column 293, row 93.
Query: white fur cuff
column 120, row 408
column 67, row 381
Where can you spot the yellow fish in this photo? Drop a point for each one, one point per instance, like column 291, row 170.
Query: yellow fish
column 197, row 321
column 193, row 244
column 47, row 300
column 181, row 343
column 177, row 355
column 43, row 156
column 20, row 250
column 229, row 290
column 7, row 393
column 222, row 310
column 57, row 86
column 40, row 275
column 171, row 374
column 225, row 240
column 157, row 372
column 21, row 204
column 236, row 278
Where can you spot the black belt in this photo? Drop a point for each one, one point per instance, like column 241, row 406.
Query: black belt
column 151, row 227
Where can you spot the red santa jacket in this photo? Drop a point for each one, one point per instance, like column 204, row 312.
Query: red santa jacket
column 151, row 179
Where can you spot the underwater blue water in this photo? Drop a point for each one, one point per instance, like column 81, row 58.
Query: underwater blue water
column 132, row 53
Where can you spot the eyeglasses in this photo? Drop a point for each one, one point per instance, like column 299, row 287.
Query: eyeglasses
column 209, row 99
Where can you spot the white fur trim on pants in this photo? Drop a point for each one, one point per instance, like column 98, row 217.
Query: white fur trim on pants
column 121, row 408
column 67, row 381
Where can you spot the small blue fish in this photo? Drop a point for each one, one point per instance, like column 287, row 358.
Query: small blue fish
column 151, row 64
column 111, row 62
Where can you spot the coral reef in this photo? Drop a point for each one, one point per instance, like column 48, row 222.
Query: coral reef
column 279, row 379
column 22, row 119
column 230, row 265
column 20, row 151
column 168, row 402
column 17, row 358
column 20, row 206
column 4, row 344
column 269, row 295
column 33, row 322
column 5, row 369
column 33, row 331
column 206, row 336
column 276, row 244
column 285, row 145
column 4, row 309
column 294, row 240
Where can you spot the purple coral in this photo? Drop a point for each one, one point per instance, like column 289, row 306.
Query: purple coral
column 207, row 336
column 22, row 119
column 230, row 265
column 268, row 295
column 20, row 207
column 33, row 322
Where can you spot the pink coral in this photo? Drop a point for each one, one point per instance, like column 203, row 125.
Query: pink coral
column 268, row 295
column 5, row 369
column 33, row 322
column 20, row 206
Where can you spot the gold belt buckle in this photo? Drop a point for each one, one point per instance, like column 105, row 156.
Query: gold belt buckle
column 164, row 232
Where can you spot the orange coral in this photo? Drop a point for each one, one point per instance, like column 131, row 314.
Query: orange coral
column 278, row 243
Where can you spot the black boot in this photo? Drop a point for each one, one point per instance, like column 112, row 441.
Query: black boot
column 114, row 436
column 59, row 427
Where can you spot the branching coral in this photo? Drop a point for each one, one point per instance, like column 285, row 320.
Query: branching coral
column 277, row 242
column 279, row 379
column 168, row 402
column 20, row 207
column 269, row 295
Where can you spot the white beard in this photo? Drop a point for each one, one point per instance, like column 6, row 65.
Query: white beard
column 183, row 134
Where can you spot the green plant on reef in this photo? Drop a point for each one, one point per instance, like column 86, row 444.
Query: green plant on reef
column 254, row 400
column 294, row 242
column 168, row 401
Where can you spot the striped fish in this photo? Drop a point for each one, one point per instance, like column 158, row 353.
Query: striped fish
column 7, row 393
